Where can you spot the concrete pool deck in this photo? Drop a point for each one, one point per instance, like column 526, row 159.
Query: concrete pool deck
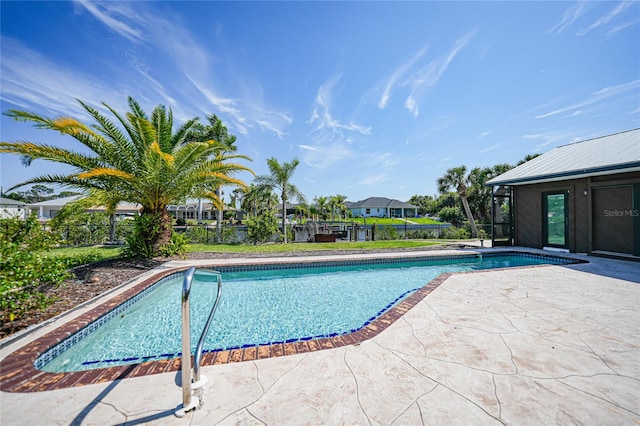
column 541, row 345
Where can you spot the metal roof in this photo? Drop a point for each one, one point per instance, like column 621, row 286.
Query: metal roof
column 56, row 202
column 9, row 202
column 380, row 202
column 617, row 153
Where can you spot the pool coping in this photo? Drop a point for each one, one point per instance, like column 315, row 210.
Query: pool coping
column 18, row 372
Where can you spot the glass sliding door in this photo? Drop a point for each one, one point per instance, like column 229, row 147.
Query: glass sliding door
column 555, row 226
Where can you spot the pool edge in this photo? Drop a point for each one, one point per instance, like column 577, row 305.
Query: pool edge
column 18, row 373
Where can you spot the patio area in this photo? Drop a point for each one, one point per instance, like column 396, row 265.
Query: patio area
column 536, row 345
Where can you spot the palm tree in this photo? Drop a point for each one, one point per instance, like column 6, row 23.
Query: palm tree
column 279, row 180
column 321, row 203
column 337, row 203
column 456, row 178
column 137, row 158
column 218, row 132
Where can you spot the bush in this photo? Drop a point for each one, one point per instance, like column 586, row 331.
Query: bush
column 76, row 226
column 229, row 235
column 452, row 215
column 144, row 231
column 24, row 268
column 176, row 247
column 261, row 229
column 199, row 234
column 387, row 233
column 453, row 233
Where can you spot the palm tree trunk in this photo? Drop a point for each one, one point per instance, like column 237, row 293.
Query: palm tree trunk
column 218, row 218
column 284, row 220
column 467, row 210
column 112, row 227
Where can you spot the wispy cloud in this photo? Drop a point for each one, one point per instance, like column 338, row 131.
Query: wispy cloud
column 622, row 26
column 543, row 139
column 332, row 138
column 327, row 155
column 397, row 74
column 31, row 80
column 322, row 117
column 490, row 148
column 193, row 64
column 113, row 16
column 598, row 96
column 429, row 75
column 606, row 19
column 570, row 16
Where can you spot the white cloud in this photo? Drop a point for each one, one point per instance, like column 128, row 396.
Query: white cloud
column 326, row 155
column 490, row 148
column 322, row 116
column 570, row 16
column 600, row 95
column 106, row 12
column 397, row 74
column 193, row 62
column 31, row 80
column 429, row 75
column 606, row 19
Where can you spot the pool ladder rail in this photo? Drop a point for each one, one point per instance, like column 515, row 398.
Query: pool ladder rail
column 193, row 383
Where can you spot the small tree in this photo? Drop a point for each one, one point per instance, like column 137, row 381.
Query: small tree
column 280, row 179
column 261, row 228
column 24, row 268
column 456, row 178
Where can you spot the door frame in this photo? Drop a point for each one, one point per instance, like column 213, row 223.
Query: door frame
column 545, row 217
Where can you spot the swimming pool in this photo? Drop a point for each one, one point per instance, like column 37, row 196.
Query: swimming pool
column 261, row 305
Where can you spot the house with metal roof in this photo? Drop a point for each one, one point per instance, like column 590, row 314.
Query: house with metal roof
column 382, row 207
column 582, row 197
column 12, row 209
column 50, row 208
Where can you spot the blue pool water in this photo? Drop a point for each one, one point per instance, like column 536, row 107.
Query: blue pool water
column 261, row 307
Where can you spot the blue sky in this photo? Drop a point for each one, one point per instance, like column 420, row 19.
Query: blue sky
column 373, row 98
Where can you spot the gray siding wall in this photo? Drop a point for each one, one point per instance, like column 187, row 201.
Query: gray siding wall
column 529, row 220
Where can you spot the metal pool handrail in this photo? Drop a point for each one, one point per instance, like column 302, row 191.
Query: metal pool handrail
column 187, row 386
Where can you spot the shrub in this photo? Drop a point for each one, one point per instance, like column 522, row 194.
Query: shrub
column 176, row 247
column 453, row 233
column 229, row 235
column 387, row 233
column 24, row 268
column 261, row 229
column 452, row 215
column 199, row 234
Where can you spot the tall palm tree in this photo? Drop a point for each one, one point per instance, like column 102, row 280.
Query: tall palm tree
column 136, row 158
column 337, row 203
column 280, row 180
column 218, row 132
column 456, row 178
column 321, row 203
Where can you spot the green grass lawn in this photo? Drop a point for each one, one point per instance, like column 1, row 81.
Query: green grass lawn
column 296, row 247
column 395, row 221
column 111, row 252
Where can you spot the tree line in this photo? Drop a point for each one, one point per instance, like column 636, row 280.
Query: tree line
column 463, row 195
column 143, row 159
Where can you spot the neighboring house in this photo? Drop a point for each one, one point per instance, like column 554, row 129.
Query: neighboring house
column 582, row 197
column 50, row 208
column 382, row 207
column 189, row 210
column 12, row 209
